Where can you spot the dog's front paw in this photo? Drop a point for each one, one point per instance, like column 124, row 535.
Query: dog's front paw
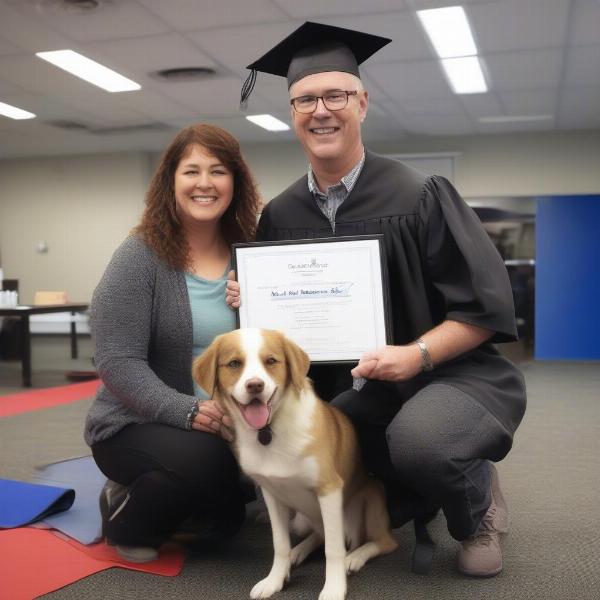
column 355, row 561
column 298, row 554
column 266, row 587
column 335, row 591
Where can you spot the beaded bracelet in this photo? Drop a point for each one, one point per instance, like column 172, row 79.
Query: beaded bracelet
column 189, row 420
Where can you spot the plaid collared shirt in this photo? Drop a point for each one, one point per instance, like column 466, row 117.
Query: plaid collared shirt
column 336, row 194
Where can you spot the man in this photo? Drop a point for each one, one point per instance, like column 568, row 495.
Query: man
column 441, row 404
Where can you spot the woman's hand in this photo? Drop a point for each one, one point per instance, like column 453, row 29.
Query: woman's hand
column 232, row 292
column 212, row 419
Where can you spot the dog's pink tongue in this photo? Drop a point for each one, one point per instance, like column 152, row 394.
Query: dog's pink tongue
column 256, row 414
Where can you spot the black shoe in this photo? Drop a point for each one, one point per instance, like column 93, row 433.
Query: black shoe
column 113, row 499
column 212, row 527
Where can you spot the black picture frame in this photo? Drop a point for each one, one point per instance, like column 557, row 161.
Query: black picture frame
column 383, row 277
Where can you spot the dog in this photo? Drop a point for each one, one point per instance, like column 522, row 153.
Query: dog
column 302, row 452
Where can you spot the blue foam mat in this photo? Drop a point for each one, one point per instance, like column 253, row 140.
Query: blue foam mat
column 22, row 503
column 82, row 522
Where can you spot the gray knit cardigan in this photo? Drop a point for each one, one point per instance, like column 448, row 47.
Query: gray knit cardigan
column 141, row 325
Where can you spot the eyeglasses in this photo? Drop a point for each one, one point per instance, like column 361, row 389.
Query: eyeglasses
column 332, row 101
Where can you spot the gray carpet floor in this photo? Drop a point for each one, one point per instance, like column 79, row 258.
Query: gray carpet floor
column 551, row 480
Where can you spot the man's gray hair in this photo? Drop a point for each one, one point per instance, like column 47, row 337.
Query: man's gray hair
column 357, row 81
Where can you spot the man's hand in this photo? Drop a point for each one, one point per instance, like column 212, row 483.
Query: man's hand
column 390, row 363
column 212, row 419
column 401, row 363
column 232, row 292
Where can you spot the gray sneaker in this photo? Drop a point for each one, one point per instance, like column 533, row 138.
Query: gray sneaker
column 113, row 499
column 481, row 554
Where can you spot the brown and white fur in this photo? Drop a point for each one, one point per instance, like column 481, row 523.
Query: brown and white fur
column 312, row 466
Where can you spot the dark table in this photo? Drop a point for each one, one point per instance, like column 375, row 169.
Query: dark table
column 24, row 312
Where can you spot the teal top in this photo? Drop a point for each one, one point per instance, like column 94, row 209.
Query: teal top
column 210, row 314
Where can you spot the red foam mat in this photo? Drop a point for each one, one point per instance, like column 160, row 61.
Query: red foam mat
column 37, row 561
column 23, row 402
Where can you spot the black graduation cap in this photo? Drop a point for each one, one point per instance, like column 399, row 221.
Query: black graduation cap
column 314, row 48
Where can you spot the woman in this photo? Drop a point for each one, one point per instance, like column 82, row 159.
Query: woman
column 160, row 441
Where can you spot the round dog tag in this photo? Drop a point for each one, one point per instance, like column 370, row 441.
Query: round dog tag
column 265, row 435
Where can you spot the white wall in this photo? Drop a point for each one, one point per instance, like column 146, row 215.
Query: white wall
column 81, row 206
column 499, row 165
column 84, row 206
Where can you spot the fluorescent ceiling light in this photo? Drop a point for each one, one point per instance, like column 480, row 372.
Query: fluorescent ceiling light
column 268, row 122
column 12, row 112
column 89, row 70
column 449, row 31
column 465, row 75
column 515, row 118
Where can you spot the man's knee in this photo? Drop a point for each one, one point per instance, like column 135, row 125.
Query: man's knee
column 415, row 455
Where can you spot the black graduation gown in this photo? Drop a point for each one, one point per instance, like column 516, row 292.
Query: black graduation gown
column 441, row 265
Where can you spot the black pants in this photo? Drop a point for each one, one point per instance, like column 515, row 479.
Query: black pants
column 430, row 447
column 172, row 474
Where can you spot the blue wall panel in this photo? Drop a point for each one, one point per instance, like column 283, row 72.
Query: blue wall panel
column 567, row 312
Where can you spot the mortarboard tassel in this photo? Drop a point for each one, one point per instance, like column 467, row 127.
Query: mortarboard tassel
column 247, row 89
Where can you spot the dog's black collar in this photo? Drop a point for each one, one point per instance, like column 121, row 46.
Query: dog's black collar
column 265, row 435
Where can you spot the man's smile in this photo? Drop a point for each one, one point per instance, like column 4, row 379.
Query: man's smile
column 324, row 130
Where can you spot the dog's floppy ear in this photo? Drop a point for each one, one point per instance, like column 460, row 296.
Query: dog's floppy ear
column 204, row 369
column 298, row 362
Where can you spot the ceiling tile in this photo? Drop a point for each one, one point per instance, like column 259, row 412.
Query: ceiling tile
column 579, row 107
column 309, row 9
column 29, row 34
column 524, row 70
column 7, row 48
column 583, row 65
column 440, row 125
column 432, row 106
column 533, row 102
column 217, row 97
column 421, row 79
column 250, row 43
column 156, row 106
column 480, row 105
column 188, row 15
column 585, row 23
column 111, row 20
column 519, row 24
column 8, row 88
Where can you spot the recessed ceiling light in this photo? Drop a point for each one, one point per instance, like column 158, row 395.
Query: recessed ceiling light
column 515, row 118
column 268, row 122
column 185, row 73
column 89, row 70
column 68, row 6
column 449, row 31
column 12, row 112
column 465, row 75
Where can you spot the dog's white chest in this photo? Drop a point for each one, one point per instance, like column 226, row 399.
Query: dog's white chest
column 275, row 463
column 289, row 477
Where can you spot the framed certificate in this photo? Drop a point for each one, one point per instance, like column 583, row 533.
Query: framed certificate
column 329, row 295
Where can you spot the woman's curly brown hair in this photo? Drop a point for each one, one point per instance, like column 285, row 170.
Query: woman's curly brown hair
column 160, row 227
